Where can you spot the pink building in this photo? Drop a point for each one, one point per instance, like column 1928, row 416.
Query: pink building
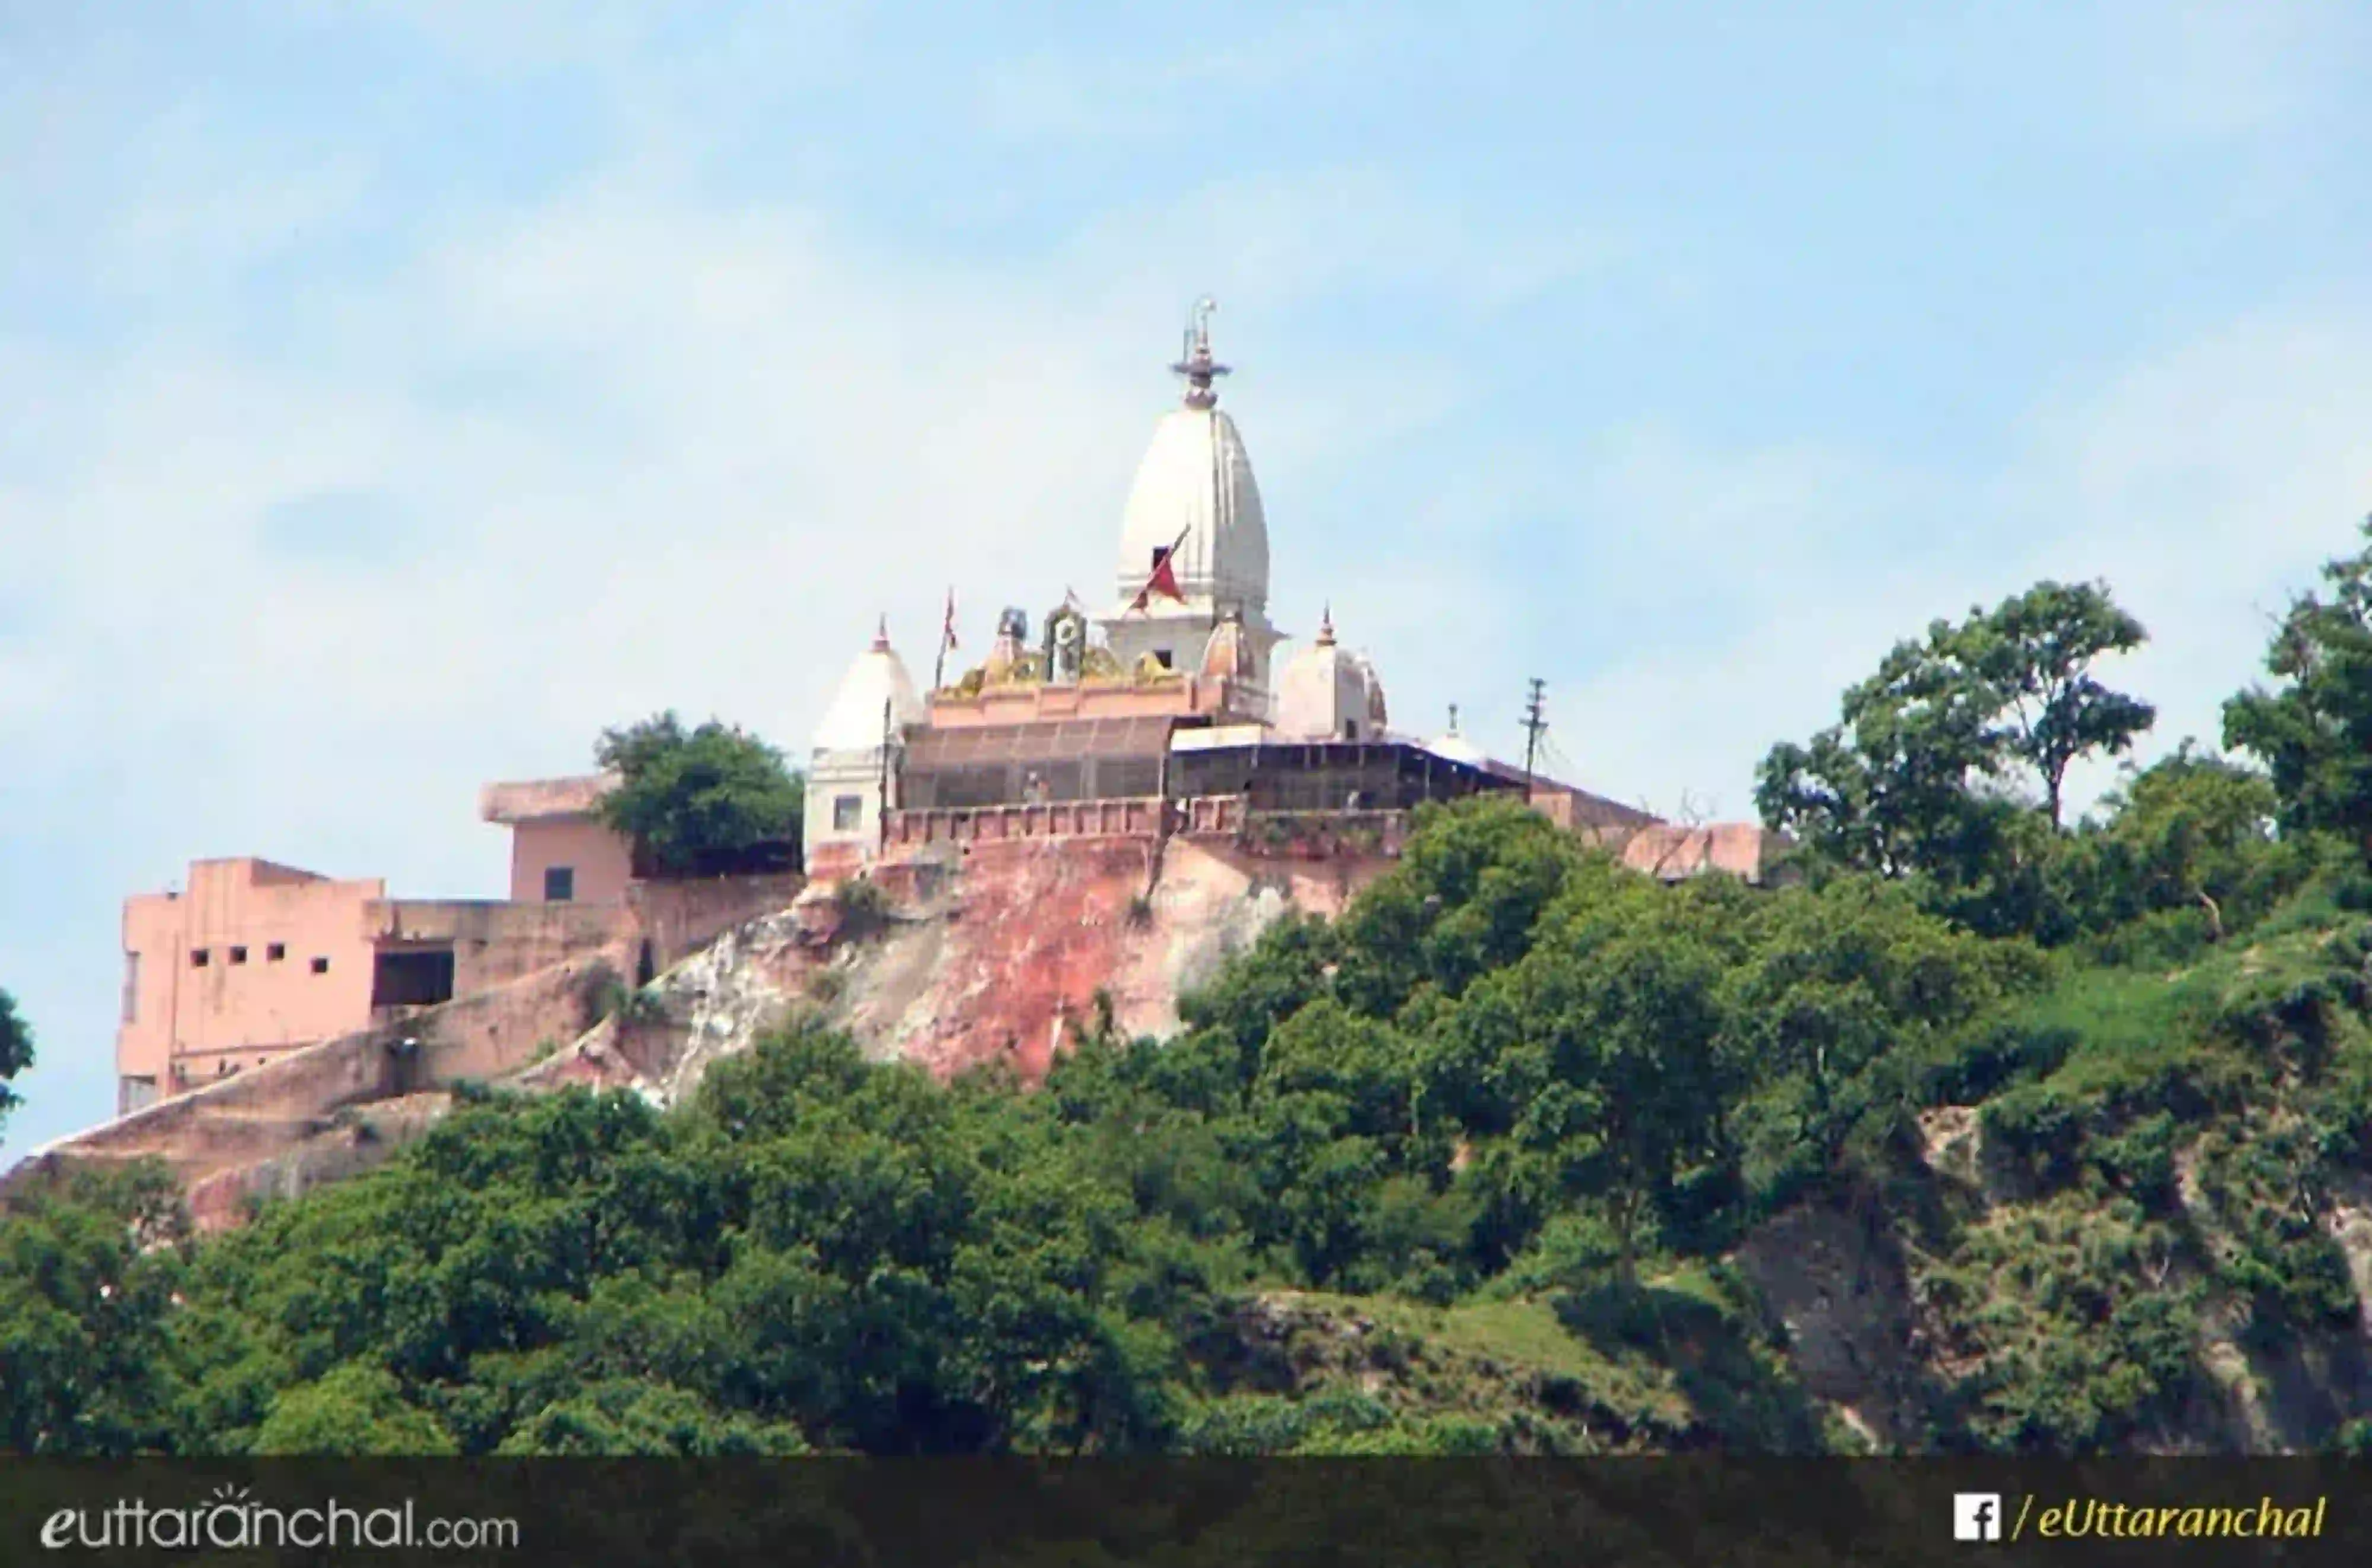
column 561, row 851
column 256, row 959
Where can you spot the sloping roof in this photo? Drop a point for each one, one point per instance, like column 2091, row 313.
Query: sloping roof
column 987, row 745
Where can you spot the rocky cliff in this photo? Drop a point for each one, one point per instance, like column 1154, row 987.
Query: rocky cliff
column 978, row 953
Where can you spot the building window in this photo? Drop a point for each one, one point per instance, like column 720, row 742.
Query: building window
column 239, row 955
column 274, row 951
column 1350, row 729
column 421, row 978
column 134, row 1094
column 132, row 993
column 847, row 811
column 321, row 966
column 559, row 884
column 1161, row 657
column 200, row 957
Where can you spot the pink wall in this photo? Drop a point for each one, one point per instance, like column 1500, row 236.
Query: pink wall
column 228, row 1013
column 224, row 1015
column 602, row 860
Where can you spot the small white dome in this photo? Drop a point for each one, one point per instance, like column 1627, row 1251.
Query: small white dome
column 1325, row 688
column 1456, row 747
column 852, row 723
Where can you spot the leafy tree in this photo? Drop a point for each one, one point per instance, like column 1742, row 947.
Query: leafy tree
column 16, row 1054
column 1893, row 787
column 354, row 1411
column 2035, row 651
column 2313, row 728
column 2191, row 831
column 89, row 1265
column 1918, row 779
column 692, row 799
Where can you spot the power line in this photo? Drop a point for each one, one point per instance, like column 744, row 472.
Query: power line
column 1535, row 725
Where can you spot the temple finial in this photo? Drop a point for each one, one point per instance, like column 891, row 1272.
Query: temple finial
column 1326, row 626
column 881, row 636
column 1197, row 365
column 1453, row 719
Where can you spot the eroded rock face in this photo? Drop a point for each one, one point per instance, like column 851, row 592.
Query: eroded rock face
column 994, row 957
column 993, row 954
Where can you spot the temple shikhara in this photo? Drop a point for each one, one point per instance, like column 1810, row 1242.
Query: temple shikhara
column 1176, row 706
column 1174, row 723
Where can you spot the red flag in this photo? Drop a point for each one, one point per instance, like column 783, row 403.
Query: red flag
column 947, row 630
column 1164, row 580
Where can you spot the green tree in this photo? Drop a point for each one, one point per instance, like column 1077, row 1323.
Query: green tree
column 1892, row 788
column 16, row 1054
column 2313, row 728
column 693, row 799
column 1919, row 778
column 354, row 1411
column 2191, row 830
column 2035, row 652
column 88, row 1267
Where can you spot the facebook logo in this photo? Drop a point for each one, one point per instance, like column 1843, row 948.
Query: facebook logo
column 1976, row 1515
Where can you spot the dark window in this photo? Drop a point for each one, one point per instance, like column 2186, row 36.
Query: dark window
column 847, row 811
column 199, row 957
column 274, row 951
column 1161, row 657
column 559, row 884
column 1350, row 729
column 239, row 955
column 321, row 966
column 419, row 978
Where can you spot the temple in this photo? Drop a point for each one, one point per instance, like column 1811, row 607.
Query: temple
column 1178, row 709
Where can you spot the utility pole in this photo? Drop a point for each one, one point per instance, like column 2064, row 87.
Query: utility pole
column 1534, row 723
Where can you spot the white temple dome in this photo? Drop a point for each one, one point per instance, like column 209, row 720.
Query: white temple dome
column 1194, row 493
column 1456, row 747
column 852, row 723
column 1328, row 692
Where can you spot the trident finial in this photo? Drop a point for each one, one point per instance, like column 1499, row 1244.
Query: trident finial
column 1197, row 367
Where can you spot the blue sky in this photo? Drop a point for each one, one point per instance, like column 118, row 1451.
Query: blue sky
column 398, row 392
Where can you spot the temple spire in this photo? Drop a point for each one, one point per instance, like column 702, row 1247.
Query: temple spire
column 1196, row 364
column 1326, row 627
column 881, row 636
